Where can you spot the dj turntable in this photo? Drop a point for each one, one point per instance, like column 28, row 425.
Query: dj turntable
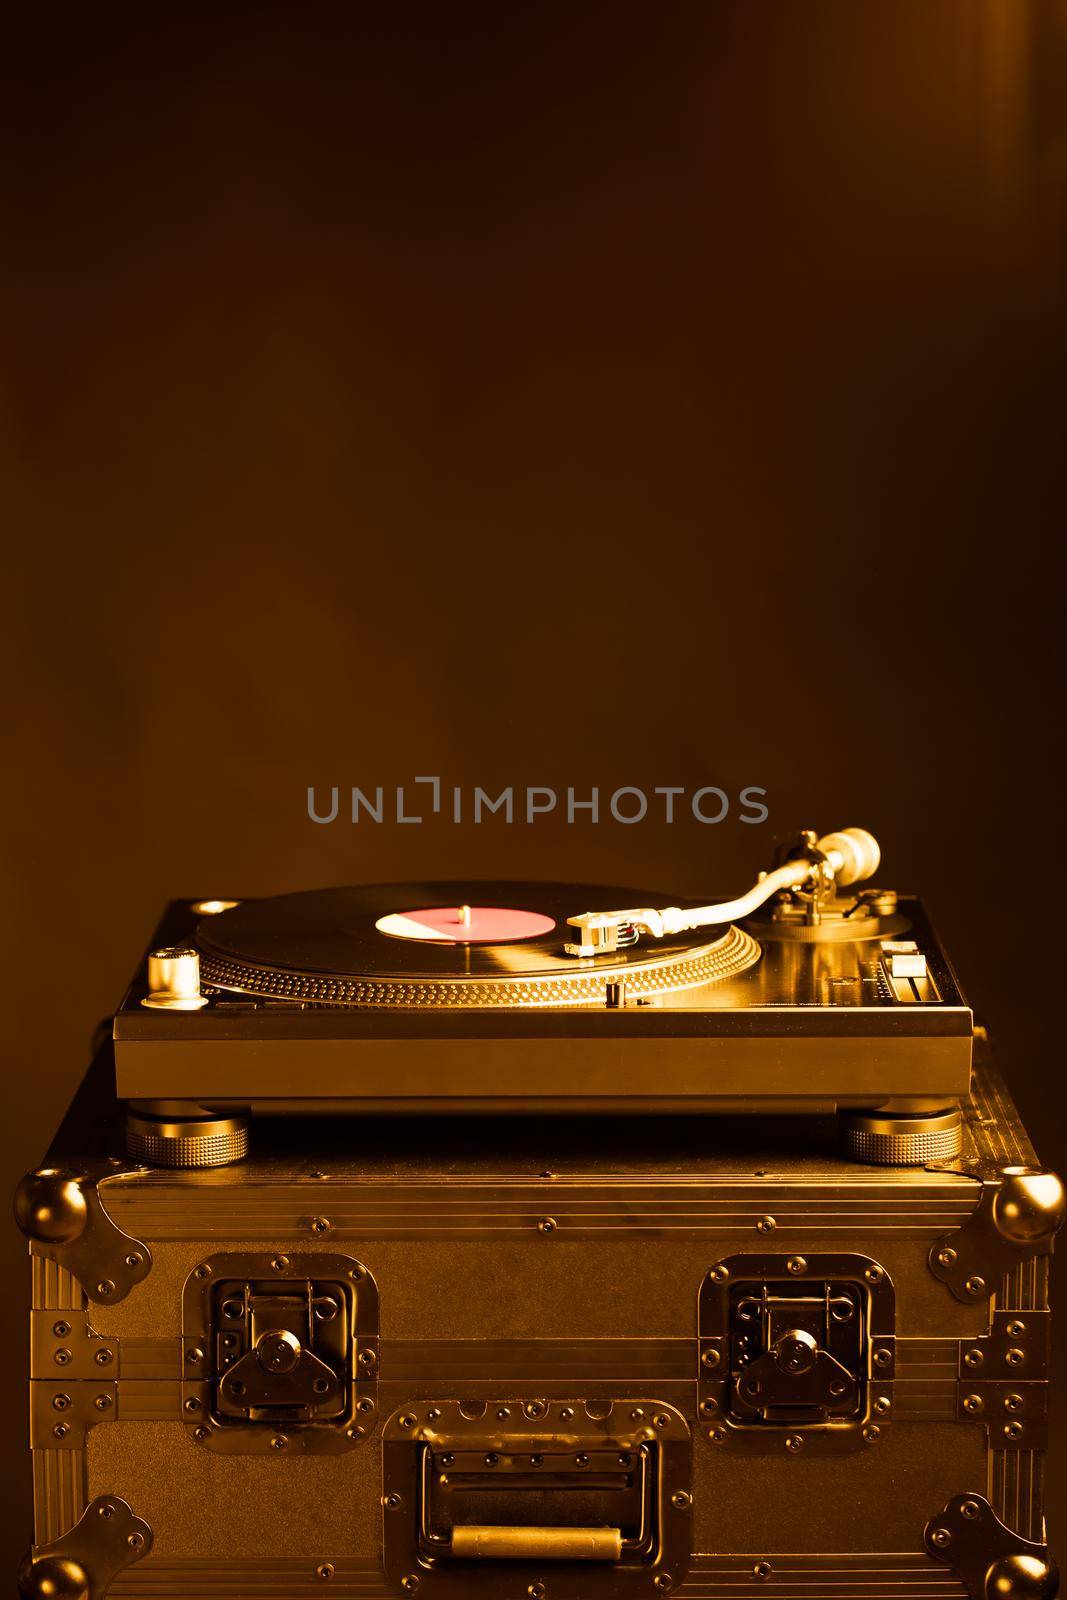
column 369, row 1281
column 813, row 992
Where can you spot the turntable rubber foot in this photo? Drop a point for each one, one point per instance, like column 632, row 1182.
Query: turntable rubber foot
column 895, row 1139
column 186, row 1141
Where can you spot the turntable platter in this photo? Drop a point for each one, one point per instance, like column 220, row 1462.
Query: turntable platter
column 448, row 945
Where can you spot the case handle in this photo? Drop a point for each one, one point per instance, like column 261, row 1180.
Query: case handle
column 486, row 1543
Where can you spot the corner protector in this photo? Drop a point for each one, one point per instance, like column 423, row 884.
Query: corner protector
column 81, row 1565
column 991, row 1561
column 62, row 1215
column 1019, row 1212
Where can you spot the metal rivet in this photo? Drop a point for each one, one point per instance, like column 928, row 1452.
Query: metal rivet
column 710, row 1358
column 105, row 1287
column 975, row 1285
column 974, row 1404
column 662, row 1420
column 682, row 1500
column 567, row 1412
column 410, row 1583
column 61, row 1430
column 367, row 1358
column 192, row 1405
column 881, row 1405
column 391, row 1502
column 356, row 1274
column 135, row 1541
column 407, row 1420
column 533, row 1408
column 663, row 1580
column 102, row 1402
column 874, row 1274
column 434, row 1413
column 536, row 1590
column 971, row 1510
column 872, row 1434
column 365, row 1404
column 581, row 1460
column 201, row 1433
column 946, row 1257
column 61, row 1329
column 796, row 1265
column 60, row 1402
column 766, row 1225
column 719, row 1274
column 503, row 1413
column 102, row 1358
column 193, row 1356
column 547, row 1225
column 1016, row 1329
column 1013, row 1402
column 973, row 1358
column 279, row 1442
column 1013, row 1430
column 762, row 1571
column 717, row 1435
column 636, row 1414
column 280, row 1263
column 709, row 1407
column 883, row 1357
column 1015, row 1358
column 941, row 1537
column 325, row 1571
column 62, row 1358
column 492, row 1460
column 320, row 1226
column 106, row 1511
column 794, row 1442
column 202, row 1271
column 134, row 1259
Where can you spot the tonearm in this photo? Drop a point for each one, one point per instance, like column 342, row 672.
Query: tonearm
column 814, row 868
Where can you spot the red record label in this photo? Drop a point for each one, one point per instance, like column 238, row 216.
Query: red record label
column 465, row 924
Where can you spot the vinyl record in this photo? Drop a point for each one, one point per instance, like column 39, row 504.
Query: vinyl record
column 449, row 944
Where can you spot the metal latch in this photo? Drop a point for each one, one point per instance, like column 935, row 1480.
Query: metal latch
column 282, row 1357
column 280, row 1352
column 796, row 1350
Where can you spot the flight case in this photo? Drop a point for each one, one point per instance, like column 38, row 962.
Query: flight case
column 540, row 1359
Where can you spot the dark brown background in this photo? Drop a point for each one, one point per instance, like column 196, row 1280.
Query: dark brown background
column 567, row 394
